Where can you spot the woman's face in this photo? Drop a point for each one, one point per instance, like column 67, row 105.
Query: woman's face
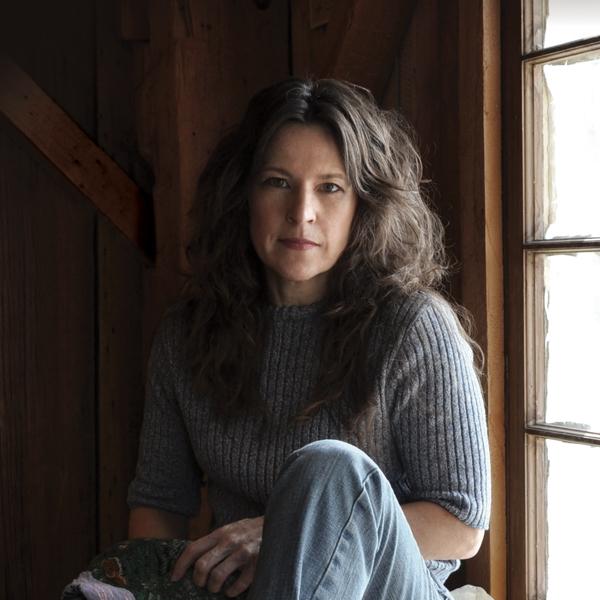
column 301, row 211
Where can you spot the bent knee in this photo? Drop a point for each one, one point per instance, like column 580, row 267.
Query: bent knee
column 328, row 465
column 328, row 451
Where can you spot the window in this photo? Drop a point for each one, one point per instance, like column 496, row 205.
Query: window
column 552, row 191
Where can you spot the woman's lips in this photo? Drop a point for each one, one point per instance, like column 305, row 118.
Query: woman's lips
column 298, row 243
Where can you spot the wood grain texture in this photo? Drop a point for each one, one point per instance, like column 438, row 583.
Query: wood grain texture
column 74, row 154
column 47, row 319
column 120, row 379
column 133, row 19
column 482, row 289
column 311, row 37
column 363, row 38
column 120, row 278
column 356, row 41
column 53, row 44
column 391, row 96
column 428, row 91
column 517, row 501
column 302, row 44
column 47, row 383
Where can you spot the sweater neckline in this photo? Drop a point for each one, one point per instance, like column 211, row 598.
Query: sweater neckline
column 293, row 311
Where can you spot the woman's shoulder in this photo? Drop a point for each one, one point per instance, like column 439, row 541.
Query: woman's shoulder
column 424, row 313
column 178, row 314
column 400, row 310
column 173, row 327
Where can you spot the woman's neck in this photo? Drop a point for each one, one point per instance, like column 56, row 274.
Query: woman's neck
column 295, row 293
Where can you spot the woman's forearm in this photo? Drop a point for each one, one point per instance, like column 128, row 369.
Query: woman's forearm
column 145, row 521
column 439, row 534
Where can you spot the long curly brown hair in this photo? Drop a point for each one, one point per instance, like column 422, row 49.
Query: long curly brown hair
column 396, row 244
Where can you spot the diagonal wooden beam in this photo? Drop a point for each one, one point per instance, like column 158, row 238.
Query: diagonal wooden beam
column 363, row 39
column 76, row 156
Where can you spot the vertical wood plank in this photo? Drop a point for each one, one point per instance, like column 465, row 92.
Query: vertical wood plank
column 133, row 20
column 428, row 92
column 481, row 247
column 47, row 345
column 301, row 38
column 517, row 449
column 120, row 378
column 47, row 319
column 391, row 96
column 120, row 283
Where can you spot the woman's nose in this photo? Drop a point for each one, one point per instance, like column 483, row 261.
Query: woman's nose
column 302, row 207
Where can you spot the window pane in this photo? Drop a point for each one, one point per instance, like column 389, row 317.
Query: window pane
column 567, row 126
column 571, row 318
column 561, row 21
column 573, row 525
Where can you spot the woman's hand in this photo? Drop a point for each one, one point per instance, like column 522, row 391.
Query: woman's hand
column 216, row 556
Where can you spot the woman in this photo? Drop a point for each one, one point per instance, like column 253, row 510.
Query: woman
column 310, row 371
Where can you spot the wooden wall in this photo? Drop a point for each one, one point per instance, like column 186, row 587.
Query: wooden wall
column 47, row 387
column 48, row 446
column 153, row 84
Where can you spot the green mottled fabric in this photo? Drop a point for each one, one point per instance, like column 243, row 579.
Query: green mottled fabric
column 144, row 566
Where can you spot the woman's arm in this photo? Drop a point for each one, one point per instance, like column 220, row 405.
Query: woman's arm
column 439, row 534
column 145, row 521
column 441, row 435
column 167, row 475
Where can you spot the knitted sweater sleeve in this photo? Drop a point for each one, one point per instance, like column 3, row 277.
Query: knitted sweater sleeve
column 167, row 475
column 439, row 417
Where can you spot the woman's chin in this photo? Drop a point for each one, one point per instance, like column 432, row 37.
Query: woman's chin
column 297, row 283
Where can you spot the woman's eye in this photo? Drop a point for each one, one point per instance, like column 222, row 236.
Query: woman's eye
column 331, row 187
column 276, row 182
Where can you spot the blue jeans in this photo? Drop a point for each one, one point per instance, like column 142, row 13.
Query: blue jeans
column 334, row 530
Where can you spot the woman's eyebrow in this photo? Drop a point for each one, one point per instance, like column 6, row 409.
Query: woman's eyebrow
column 333, row 175
column 272, row 168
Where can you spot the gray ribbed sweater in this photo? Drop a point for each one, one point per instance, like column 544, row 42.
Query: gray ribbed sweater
column 428, row 435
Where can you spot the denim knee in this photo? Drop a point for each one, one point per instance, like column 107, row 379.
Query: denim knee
column 315, row 455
